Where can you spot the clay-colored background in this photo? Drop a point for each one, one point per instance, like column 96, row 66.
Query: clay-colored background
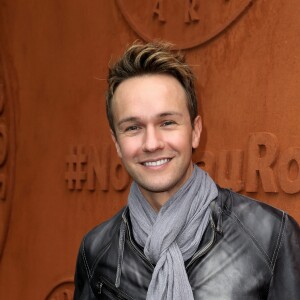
column 53, row 64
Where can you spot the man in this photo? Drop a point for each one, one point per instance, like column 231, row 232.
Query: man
column 180, row 236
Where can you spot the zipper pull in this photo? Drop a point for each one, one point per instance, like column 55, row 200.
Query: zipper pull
column 220, row 223
column 99, row 285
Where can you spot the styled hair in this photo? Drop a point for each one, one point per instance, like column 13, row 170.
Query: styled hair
column 151, row 58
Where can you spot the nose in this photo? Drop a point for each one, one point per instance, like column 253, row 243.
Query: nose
column 152, row 140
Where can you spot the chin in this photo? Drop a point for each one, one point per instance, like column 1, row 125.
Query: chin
column 156, row 188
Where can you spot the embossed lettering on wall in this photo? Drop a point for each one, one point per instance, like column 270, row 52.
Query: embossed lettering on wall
column 260, row 164
column 190, row 11
column 186, row 23
column 63, row 291
column 89, row 167
column 7, row 142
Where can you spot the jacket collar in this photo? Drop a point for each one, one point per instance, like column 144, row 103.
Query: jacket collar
column 218, row 206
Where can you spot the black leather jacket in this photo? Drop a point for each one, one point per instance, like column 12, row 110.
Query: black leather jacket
column 249, row 251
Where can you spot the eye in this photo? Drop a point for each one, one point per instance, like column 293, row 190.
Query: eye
column 168, row 123
column 132, row 128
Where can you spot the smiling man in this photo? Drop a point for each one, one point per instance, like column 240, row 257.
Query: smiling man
column 154, row 135
column 180, row 236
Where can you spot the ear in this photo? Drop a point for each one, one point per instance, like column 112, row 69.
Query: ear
column 196, row 132
column 114, row 138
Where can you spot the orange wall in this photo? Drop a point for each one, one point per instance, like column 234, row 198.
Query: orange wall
column 59, row 174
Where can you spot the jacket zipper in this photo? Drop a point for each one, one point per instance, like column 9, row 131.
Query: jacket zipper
column 135, row 248
column 206, row 248
column 111, row 289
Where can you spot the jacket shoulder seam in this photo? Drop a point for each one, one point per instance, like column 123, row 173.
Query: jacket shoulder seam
column 93, row 267
column 255, row 242
column 279, row 240
column 85, row 259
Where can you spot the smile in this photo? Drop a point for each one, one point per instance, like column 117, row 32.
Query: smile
column 156, row 163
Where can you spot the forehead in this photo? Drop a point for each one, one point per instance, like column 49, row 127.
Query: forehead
column 149, row 95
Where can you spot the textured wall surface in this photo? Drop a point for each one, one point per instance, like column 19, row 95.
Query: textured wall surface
column 59, row 174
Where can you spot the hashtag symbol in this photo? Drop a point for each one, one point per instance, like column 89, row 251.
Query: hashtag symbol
column 75, row 173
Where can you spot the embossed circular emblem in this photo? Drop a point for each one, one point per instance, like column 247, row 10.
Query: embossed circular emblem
column 8, row 94
column 186, row 23
column 63, row 291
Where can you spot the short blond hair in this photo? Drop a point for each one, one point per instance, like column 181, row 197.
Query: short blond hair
column 151, row 58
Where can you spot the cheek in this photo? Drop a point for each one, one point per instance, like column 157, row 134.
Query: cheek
column 129, row 147
column 180, row 142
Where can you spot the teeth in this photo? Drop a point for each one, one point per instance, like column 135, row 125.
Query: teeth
column 156, row 163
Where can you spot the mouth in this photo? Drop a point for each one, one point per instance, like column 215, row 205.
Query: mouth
column 156, row 163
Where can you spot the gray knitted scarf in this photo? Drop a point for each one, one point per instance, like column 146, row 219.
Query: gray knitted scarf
column 172, row 236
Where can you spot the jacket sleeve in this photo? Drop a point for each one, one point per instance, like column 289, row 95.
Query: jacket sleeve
column 83, row 289
column 285, row 283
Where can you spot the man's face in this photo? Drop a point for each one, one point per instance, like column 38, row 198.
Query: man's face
column 154, row 136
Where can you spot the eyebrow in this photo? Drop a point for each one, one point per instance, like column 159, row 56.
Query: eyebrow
column 162, row 115
column 170, row 113
column 129, row 119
